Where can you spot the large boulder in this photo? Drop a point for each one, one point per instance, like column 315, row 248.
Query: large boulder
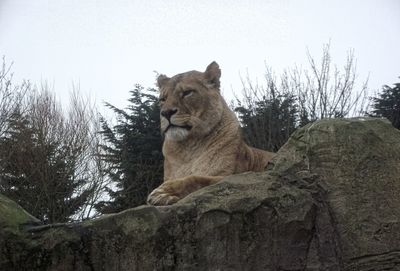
column 330, row 201
column 356, row 162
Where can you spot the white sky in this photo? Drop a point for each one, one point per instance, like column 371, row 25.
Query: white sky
column 108, row 46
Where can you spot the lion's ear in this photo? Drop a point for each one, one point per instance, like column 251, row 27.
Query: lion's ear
column 212, row 74
column 161, row 80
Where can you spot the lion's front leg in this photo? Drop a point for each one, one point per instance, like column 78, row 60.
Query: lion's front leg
column 173, row 190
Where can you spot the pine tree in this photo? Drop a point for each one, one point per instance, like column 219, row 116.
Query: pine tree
column 267, row 123
column 387, row 104
column 39, row 173
column 133, row 151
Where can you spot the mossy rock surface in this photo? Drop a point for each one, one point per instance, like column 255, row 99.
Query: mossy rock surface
column 329, row 201
column 13, row 216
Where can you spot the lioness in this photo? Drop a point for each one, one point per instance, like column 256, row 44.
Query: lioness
column 202, row 141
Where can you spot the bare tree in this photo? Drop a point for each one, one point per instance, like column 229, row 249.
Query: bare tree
column 49, row 160
column 90, row 166
column 11, row 96
column 271, row 111
column 328, row 92
column 268, row 112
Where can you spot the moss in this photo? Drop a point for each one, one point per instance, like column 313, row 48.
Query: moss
column 12, row 216
column 141, row 221
column 328, row 202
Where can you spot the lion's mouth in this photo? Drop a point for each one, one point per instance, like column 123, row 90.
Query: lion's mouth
column 187, row 127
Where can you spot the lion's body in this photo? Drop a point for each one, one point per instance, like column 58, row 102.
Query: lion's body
column 221, row 153
column 202, row 142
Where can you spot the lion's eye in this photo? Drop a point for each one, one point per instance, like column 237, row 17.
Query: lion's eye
column 187, row 92
column 162, row 99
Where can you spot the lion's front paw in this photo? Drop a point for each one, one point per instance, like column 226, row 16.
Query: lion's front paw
column 163, row 195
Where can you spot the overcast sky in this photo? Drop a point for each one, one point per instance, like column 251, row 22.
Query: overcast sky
column 108, row 46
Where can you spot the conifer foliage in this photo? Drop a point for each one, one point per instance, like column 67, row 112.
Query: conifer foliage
column 270, row 112
column 387, row 104
column 133, row 151
column 45, row 158
column 268, row 122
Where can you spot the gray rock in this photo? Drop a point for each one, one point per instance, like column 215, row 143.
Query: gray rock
column 329, row 201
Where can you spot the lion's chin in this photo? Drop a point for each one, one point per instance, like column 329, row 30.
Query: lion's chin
column 176, row 134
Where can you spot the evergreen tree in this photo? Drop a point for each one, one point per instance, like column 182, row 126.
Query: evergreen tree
column 133, row 151
column 39, row 173
column 267, row 123
column 271, row 111
column 387, row 104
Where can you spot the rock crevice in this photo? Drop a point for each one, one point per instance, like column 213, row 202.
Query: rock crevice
column 329, row 201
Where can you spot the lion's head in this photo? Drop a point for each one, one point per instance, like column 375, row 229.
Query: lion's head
column 190, row 103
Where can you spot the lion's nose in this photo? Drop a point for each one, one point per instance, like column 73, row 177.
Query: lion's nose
column 168, row 113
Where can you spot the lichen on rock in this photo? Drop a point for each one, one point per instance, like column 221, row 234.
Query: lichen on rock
column 13, row 216
column 329, row 201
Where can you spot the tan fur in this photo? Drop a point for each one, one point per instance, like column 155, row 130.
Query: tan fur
column 206, row 143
